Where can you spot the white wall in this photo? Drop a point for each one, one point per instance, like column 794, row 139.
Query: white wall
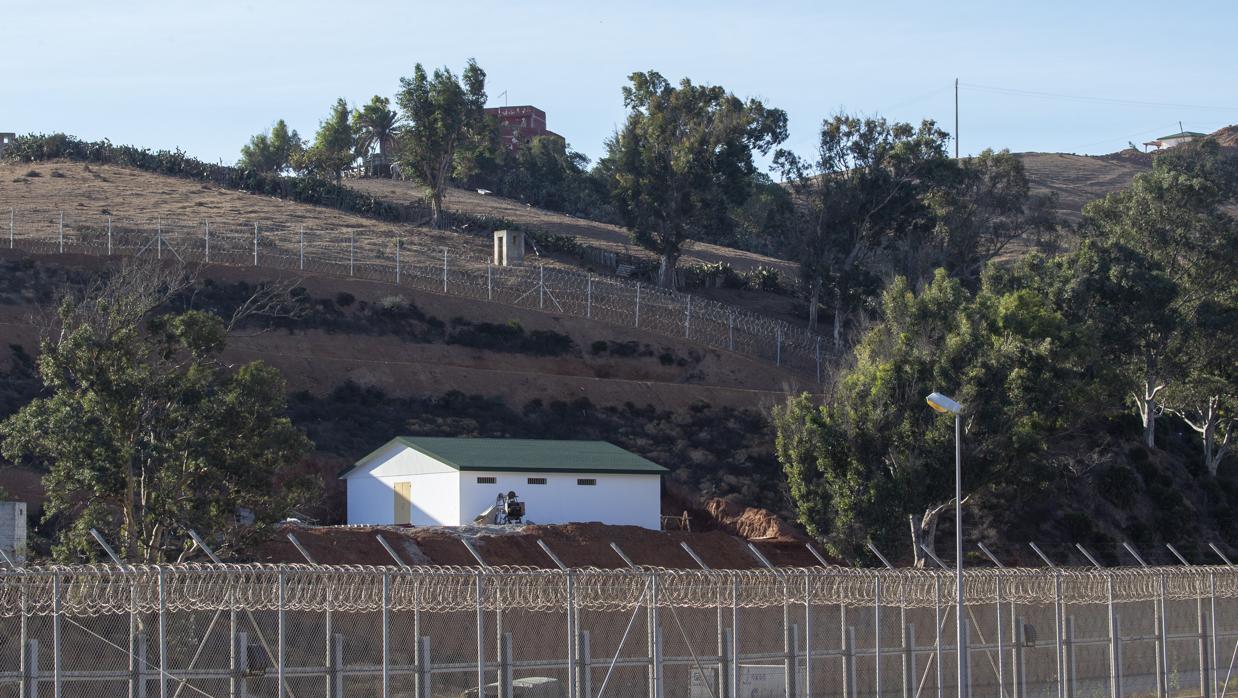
column 633, row 500
column 434, row 490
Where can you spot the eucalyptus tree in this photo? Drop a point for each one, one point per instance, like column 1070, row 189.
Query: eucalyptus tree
column 858, row 197
column 332, row 150
column 683, row 161
column 442, row 114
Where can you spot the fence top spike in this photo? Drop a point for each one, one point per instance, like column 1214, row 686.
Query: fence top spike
column 1088, row 555
column 1220, row 554
column 205, row 548
column 1177, row 554
column 390, row 550
column 760, row 558
column 989, row 553
column 550, row 554
column 819, row 556
column 1041, row 553
column 934, row 557
column 881, row 557
column 1134, row 553
column 622, row 555
column 690, row 551
column 301, row 548
column 106, row 548
column 473, row 551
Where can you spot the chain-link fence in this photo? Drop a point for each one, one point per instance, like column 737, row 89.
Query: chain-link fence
column 297, row 630
column 384, row 255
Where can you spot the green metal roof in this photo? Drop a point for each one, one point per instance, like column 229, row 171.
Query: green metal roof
column 526, row 455
column 1184, row 134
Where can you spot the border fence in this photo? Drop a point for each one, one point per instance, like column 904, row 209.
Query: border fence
column 306, row 630
column 365, row 253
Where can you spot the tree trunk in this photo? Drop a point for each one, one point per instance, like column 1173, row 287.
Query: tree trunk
column 436, row 208
column 838, row 320
column 666, row 270
column 814, row 300
column 1149, row 410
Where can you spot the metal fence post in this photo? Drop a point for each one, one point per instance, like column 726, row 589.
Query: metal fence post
column 909, row 660
column 1069, row 647
column 158, row 238
column 850, row 689
column 62, row 232
column 877, row 635
column 163, row 633
column 637, row 304
column 778, row 347
column 589, row 297
column 489, row 281
column 505, row 666
column 30, row 673
column 386, row 635
column 654, row 628
column 142, row 651
column 937, row 633
column 1212, row 619
column 352, row 252
column 687, row 320
column 726, row 683
column 1020, row 674
column 423, row 667
column 208, row 240
column 807, row 636
column 23, row 645
column 734, row 635
column 444, row 270
column 1057, row 633
column 12, row 225
column 57, row 610
column 730, row 329
column 582, row 659
column 335, row 677
column 1115, row 654
column 109, row 236
column 281, row 638
column 301, row 248
column 792, row 632
column 481, row 637
column 541, row 286
column 397, row 261
column 1204, row 689
column 255, row 244
column 240, row 665
column 573, row 677
column 1001, row 645
column 1162, row 631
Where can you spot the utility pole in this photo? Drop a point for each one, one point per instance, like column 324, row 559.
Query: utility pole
column 956, row 118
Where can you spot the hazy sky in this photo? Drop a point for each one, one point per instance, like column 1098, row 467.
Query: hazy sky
column 204, row 76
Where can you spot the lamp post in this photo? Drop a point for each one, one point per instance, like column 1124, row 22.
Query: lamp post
column 944, row 404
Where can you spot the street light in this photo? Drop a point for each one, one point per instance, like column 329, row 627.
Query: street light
column 944, row 404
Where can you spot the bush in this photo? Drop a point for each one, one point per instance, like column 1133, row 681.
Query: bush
column 344, row 299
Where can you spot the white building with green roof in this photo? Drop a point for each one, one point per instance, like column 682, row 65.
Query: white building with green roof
column 1174, row 139
column 437, row 481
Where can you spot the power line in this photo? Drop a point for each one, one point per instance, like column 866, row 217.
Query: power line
column 1083, row 98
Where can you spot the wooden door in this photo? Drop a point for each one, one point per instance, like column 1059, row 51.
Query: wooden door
column 403, row 502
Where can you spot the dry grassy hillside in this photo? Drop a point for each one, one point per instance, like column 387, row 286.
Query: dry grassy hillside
column 1078, row 179
column 601, row 235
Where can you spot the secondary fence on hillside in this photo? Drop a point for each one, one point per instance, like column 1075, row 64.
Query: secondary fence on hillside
column 301, row 630
column 370, row 254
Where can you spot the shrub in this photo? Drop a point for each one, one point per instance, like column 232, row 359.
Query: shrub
column 598, row 347
column 344, row 299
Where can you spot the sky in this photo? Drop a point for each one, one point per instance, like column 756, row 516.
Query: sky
column 1083, row 76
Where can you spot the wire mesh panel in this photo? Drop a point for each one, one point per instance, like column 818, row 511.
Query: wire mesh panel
column 410, row 258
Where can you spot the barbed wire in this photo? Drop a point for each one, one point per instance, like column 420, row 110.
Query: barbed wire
column 91, row 590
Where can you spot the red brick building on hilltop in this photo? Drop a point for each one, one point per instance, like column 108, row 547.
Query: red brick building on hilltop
column 518, row 126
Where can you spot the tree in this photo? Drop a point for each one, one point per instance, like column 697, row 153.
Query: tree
column 859, row 196
column 441, row 113
column 332, row 150
column 874, row 461
column 683, row 160
column 376, row 125
column 145, row 433
column 1171, row 223
column 980, row 205
column 271, row 152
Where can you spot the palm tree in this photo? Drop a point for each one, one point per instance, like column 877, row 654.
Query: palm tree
column 376, row 125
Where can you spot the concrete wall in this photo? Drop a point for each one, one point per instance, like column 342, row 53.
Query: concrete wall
column 13, row 529
column 632, row 500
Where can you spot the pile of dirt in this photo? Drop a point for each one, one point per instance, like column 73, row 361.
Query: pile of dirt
column 751, row 523
column 577, row 545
